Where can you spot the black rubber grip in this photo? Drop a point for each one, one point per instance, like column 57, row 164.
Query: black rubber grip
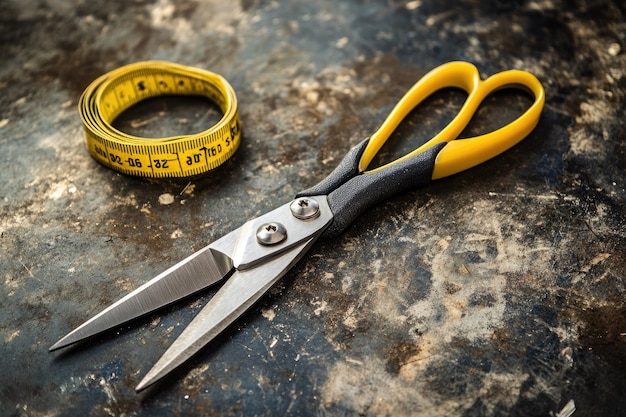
column 362, row 191
column 347, row 168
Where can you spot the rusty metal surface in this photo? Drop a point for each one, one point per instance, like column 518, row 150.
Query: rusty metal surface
column 497, row 292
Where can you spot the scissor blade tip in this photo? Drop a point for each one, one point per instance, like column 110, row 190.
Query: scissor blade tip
column 58, row 345
column 161, row 369
column 145, row 383
column 69, row 339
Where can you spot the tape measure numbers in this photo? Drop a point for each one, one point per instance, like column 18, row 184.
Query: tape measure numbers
column 176, row 156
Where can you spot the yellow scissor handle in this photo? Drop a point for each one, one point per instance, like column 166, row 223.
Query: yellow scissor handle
column 460, row 155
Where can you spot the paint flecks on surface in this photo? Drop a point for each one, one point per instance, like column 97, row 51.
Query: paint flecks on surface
column 321, row 306
column 166, row 199
column 268, row 313
column 177, row 234
column 12, row 336
column 61, row 189
column 162, row 14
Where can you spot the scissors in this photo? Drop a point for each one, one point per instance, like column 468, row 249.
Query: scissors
column 257, row 254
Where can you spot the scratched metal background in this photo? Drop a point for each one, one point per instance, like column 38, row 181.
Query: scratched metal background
column 498, row 292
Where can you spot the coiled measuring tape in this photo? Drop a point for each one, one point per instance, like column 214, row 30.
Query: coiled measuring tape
column 176, row 156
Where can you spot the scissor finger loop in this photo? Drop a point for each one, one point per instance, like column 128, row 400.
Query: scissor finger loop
column 461, row 155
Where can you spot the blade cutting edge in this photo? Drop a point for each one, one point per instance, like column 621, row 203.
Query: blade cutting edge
column 192, row 274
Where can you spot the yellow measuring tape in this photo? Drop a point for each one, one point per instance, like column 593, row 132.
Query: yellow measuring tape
column 177, row 156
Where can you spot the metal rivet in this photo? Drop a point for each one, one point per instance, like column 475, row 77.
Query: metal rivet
column 305, row 208
column 271, row 233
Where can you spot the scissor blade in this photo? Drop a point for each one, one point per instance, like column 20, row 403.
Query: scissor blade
column 194, row 273
column 240, row 292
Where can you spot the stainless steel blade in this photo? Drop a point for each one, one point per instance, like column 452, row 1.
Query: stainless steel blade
column 194, row 273
column 242, row 290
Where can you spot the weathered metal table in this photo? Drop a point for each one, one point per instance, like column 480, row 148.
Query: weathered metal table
column 500, row 291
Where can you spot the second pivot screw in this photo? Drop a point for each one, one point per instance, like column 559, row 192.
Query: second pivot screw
column 305, row 208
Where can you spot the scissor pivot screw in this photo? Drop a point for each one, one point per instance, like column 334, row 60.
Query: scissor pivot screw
column 271, row 233
column 305, row 208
